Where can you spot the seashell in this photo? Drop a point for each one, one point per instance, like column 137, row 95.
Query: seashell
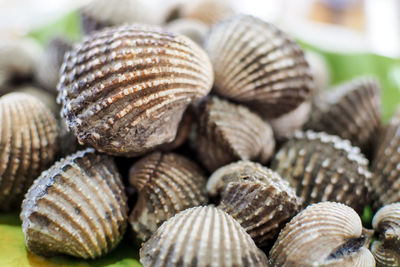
column 325, row 167
column 45, row 97
column 385, row 165
column 351, row 111
column 77, row 207
column 207, row 11
column 201, row 236
column 320, row 70
column 192, row 28
column 227, row 132
column 258, row 65
column 28, row 145
column 124, row 89
column 324, row 234
column 47, row 70
column 257, row 197
column 387, row 223
column 167, row 183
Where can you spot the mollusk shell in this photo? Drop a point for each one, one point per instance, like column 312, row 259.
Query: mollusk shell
column 167, row 183
column 324, row 234
column 28, row 145
column 124, row 89
column 192, row 28
column 201, row 236
column 77, row 207
column 258, row 65
column 228, row 132
column 325, row 167
column 207, row 11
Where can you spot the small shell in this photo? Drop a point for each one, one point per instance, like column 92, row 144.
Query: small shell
column 324, row 234
column 325, row 167
column 258, row 198
column 201, row 236
column 192, row 28
column 227, row 132
column 77, row 207
column 167, row 183
column 207, row 11
column 29, row 144
column 387, row 223
column 124, row 89
column 258, row 65
column 351, row 111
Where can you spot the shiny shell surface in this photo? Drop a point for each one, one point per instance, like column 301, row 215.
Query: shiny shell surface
column 124, row 89
column 324, row 234
column 258, row 65
column 228, row 132
column 166, row 183
column 324, row 167
column 28, row 145
column 201, row 236
column 77, row 207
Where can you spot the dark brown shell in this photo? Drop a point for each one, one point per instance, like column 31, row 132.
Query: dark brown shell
column 258, row 65
column 77, row 207
column 166, row 183
column 351, row 111
column 28, row 145
column 201, row 236
column 258, row 198
column 325, row 167
column 124, row 89
column 228, row 132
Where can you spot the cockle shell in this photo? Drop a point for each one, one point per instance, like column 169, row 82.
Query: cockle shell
column 325, row 167
column 324, row 234
column 124, row 89
column 166, row 183
column 387, row 248
column 28, row 145
column 351, row 111
column 257, row 197
column 228, row 132
column 45, row 97
column 192, row 28
column 77, row 207
column 201, row 236
column 258, row 65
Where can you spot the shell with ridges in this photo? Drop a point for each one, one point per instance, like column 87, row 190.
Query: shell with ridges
column 324, row 167
column 324, row 234
column 28, row 145
column 124, row 89
column 77, row 207
column 228, row 132
column 258, row 65
column 201, row 236
column 167, row 183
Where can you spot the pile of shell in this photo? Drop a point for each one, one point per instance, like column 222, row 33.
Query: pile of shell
column 161, row 112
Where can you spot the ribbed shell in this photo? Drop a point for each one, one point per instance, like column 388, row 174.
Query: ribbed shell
column 386, row 168
column 167, row 183
column 207, row 11
column 45, row 97
column 325, row 167
column 77, row 207
column 351, row 111
column 387, row 248
column 228, row 132
column 28, row 145
column 324, row 234
column 200, row 237
column 258, row 198
column 257, row 64
column 124, row 89
column 192, row 28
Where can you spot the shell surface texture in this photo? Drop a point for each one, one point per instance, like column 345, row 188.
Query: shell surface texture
column 124, row 89
column 324, row 234
column 200, row 237
column 257, row 197
column 258, row 65
column 166, row 184
column 228, row 132
column 324, row 167
column 28, row 145
column 77, row 207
